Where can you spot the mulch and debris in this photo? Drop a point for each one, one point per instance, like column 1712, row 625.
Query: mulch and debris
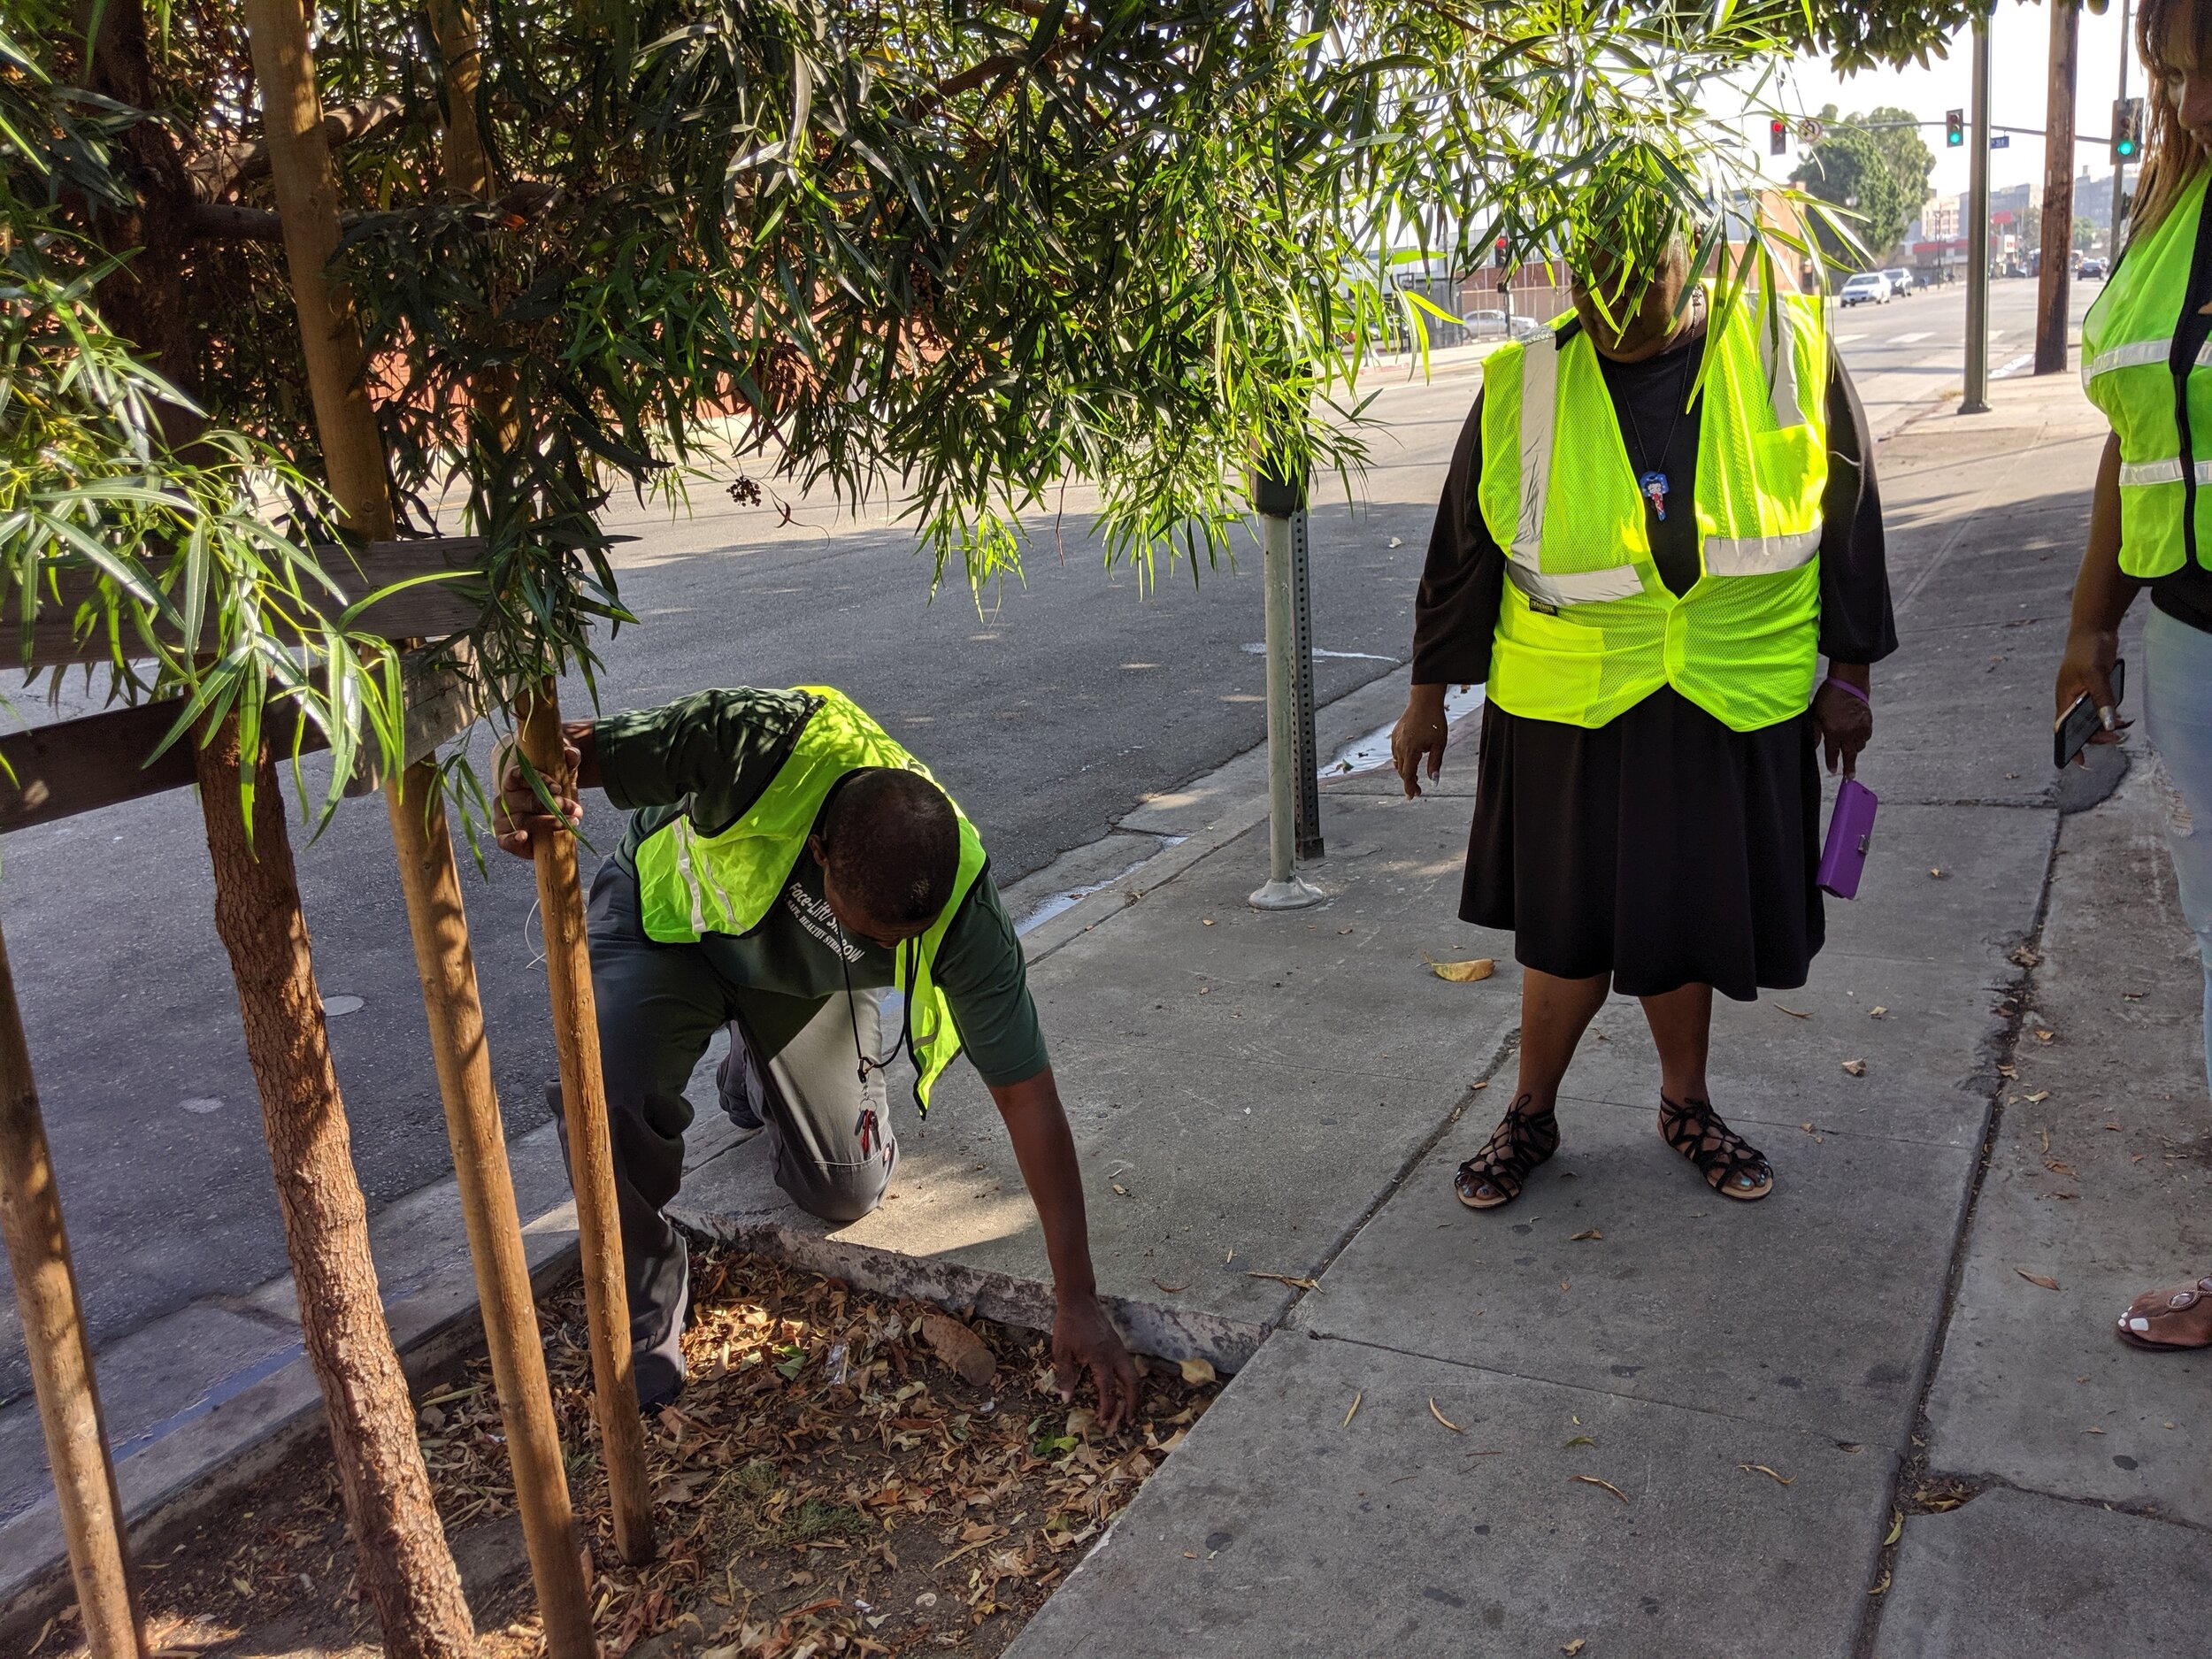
column 846, row 1474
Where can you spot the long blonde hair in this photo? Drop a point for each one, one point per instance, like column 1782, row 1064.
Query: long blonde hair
column 2172, row 159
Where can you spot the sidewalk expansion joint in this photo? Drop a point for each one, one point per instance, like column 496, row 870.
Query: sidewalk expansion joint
column 1975, row 1485
column 1913, row 1473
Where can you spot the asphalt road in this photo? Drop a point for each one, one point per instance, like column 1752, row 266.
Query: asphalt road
column 1050, row 708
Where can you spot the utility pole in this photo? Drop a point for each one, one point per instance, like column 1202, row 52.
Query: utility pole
column 2058, row 189
column 2119, row 168
column 1976, row 402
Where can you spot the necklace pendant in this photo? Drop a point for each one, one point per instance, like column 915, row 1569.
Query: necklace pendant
column 1654, row 485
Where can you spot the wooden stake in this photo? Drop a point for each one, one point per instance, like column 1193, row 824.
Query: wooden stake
column 448, row 970
column 467, row 169
column 60, row 1356
column 590, row 1154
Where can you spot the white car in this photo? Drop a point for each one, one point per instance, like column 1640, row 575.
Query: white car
column 1867, row 288
column 1902, row 281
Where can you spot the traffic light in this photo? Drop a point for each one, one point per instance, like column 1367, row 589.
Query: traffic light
column 1778, row 137
column 2127, row 130
column 1955, row 129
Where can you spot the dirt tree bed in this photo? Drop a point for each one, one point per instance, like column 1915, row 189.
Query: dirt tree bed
column 829, row 1484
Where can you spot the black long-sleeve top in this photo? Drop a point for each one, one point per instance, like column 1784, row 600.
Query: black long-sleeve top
column 1455, row 612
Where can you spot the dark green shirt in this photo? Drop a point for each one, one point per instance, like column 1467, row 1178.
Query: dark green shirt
column 711, row 755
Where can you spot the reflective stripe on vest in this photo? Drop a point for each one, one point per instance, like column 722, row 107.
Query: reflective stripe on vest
column 691, row 885
column 1588, row 627
column 2127, row 350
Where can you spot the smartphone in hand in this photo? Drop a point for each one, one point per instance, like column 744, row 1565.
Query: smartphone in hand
column 2071, row 733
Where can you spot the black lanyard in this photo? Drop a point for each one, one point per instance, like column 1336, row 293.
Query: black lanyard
column 913, row 948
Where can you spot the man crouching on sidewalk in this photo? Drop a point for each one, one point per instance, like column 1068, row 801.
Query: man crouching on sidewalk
column 790, row 871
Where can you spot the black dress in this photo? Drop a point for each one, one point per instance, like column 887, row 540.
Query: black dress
column 1662, row 846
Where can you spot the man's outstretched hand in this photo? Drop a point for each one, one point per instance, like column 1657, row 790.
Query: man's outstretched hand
column 1083, row 1339
column 518, row 815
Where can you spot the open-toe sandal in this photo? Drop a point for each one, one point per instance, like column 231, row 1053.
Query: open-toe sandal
column 1730, row 1165
column 2174, row 1320
column 1520, row 1143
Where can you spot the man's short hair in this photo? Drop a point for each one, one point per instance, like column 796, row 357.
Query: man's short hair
column 892, row 843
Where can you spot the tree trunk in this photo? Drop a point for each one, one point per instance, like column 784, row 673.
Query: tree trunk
column 407, row 1572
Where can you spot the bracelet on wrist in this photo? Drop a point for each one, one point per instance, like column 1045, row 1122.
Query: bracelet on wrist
column 1844, row 685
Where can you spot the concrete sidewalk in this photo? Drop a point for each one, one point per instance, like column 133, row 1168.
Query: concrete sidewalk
column 1625, row 1416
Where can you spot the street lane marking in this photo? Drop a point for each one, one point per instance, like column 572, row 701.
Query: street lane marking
column 1845, row 340
column 1914, row 338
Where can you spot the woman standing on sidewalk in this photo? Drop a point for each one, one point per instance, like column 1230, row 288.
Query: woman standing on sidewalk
column 2145, row 345
column 1644, row 581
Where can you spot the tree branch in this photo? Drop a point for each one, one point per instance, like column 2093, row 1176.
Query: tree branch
column 227, row 221
column 216, row 173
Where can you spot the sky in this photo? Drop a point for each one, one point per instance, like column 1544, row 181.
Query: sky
column 2020, row 40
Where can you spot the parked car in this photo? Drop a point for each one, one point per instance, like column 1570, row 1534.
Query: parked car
column 1868, row 287
column 2091, row 270
column 1902, row 281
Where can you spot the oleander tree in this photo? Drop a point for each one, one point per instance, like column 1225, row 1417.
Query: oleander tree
column 955, row 251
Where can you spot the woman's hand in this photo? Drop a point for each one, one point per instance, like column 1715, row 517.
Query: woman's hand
column 1842, row 724
column 2087, row 667
column 1422, row 730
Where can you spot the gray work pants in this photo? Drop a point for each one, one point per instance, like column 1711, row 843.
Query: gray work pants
column 792, row 1067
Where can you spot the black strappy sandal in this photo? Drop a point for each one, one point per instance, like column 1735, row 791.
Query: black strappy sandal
column 1520, row 1143
column 1730, row 1165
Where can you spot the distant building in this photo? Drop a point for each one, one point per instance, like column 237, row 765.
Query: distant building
column 1940, row 219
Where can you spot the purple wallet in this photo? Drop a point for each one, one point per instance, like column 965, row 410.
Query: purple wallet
column 1850, row 832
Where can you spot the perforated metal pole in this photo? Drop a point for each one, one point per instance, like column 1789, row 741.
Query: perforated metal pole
column 1279, row 501
column 1304, row 743
column 1976, row 402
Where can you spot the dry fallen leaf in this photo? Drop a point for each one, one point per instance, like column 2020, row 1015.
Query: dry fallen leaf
column 960, row 1347
column 1877, row 1011
column 1462, row 973
column 1854, row 1068
column 1197, row 1370
column 1441, row 1417
column 1793, row 1013
column 1587, row 1232
column 1592, row 1480
column 1285, row 1278
column 1776, row 1476
column 2037, row 1279
column 1173, row 1290
column 1209, row 922
column 2042, row 1035
column 1579, row 1439
column 1571, row 1649
column 1123, row 1191
column 1896, row 1528
column 1882, row 1587
column 2040, row 1094
column 1353, row 1412
column 1936, row 871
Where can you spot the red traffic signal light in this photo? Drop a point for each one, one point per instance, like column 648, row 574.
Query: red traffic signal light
column 1777, row 137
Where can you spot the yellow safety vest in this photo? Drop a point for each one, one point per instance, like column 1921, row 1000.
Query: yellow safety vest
column 2127, row 341
column 1587, row 628
column 690, row 885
